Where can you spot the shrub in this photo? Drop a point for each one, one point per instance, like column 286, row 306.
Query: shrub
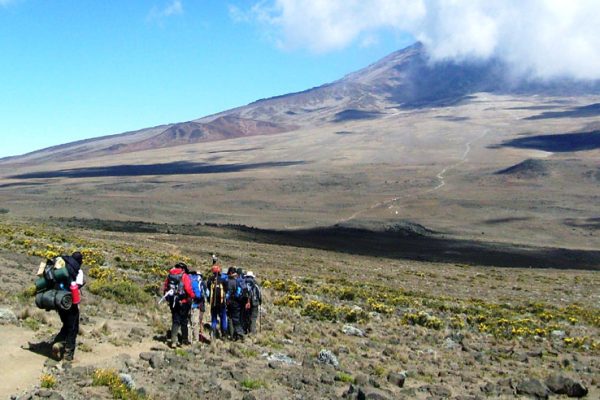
column 118, row 389
column 122, row 291
column 320, row 311
column 48, row 381
column 289, row 300
column 423, row 319
column 344, row 377
column 252, row 384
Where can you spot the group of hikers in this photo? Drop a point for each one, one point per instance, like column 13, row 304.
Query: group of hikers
column 233, row 298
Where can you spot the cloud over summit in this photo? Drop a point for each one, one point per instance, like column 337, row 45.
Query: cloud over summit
column 536, row 38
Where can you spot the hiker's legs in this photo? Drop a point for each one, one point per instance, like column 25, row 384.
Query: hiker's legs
column 223, row 317
column 71, row 324
column 234, row 311
column 62, row 334
column 195, row 323
column 184, row 314
column 201, row 309
column 174, row 323
column 245, row 317
column 253, row 318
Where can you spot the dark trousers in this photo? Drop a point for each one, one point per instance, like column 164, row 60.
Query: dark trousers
column 234, row 309
column 180, row 314
column 70, row 327
column 252, row 315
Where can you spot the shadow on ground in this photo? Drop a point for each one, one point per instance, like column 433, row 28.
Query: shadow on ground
column 564, row 142
column 41, row 348
column 174, row 168
column 592, row 110
column 387, row 243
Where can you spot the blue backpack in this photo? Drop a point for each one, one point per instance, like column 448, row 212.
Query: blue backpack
column 236, row 291
column 199, row 288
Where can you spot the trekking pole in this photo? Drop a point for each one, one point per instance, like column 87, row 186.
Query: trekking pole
column 259, row 318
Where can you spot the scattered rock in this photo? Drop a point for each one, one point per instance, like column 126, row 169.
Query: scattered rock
column 450, row 344
column 352, row 331
column 563, row 385
column 328, row 358
column 437, row 391
column 127, row 381
column 157, row 361
column 280, row 358
column 361, row 379
column 533, row 387
column 559, row 335
column 397, row 378
column 7, row 316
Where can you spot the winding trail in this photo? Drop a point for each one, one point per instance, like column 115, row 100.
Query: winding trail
column 22, row 369
column 440, row 176
column 462, row 160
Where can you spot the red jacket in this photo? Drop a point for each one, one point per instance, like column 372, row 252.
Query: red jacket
column 187, row 284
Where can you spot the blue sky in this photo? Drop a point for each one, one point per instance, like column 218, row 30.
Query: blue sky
column 75, row 69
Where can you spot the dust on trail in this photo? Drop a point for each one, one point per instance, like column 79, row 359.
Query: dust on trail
column 440, row 176
column 22, row 369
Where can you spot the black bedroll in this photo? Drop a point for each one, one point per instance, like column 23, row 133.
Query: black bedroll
column 54, row 299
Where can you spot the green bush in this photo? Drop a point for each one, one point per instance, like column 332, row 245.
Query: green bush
column 122, row 291
column 252, row 384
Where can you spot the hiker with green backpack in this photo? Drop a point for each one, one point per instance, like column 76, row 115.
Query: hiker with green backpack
column 179, row 295
column 58, row 287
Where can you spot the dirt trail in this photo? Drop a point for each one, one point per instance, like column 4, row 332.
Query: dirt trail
column 21, row 368
column 440, row 176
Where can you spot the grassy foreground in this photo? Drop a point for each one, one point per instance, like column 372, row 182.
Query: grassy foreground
column 464, row 328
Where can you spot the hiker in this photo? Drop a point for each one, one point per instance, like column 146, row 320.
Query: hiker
column 179, row 294
column 65, row 341
column 235, row 294
column 252, row 305
column 198, row 305
column 217, row 288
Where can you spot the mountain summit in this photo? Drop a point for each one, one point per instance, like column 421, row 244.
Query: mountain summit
column 405, row 79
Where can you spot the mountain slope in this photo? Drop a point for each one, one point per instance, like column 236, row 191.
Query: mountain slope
column 403, row 80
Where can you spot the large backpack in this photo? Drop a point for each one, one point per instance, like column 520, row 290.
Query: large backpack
column 236, row 289
column 198, row 287
column 217, row 292
column 175, row 283
column 253, row 292
column 53, row 274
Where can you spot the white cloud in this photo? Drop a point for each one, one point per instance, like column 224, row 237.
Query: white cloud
column 543, row 38
column 174, row 7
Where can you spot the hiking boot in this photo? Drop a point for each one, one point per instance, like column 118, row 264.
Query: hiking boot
column 58, row 351
column 69, row 353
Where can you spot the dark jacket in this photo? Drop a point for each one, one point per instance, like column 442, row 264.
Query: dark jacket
column 73, row 266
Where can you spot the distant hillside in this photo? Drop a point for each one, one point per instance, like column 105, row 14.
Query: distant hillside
column 403, row 80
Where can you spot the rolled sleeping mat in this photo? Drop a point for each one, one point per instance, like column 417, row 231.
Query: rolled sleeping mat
column 45, row 300
column 63, row 300
column 54, row 300
column 61, row 275
column 41, row 284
